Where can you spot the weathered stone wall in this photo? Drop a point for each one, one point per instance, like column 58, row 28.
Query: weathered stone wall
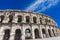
column 42, row 22
column 52, row 38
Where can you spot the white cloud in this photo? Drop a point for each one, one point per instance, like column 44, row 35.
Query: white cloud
column 41, row 5
column 34, row 5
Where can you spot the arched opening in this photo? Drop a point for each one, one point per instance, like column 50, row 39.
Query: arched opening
column 49, row 21
column 10, row 18
column 34, row 20
column 18, row 34
column 49, row 32
column 7, row 34
column 46, row 20
column 36, row 31
column 28, row 34
column 19, row 18
column 27, row 19
column 1, row 18
column 53, row 32
column 41, row 20
column 44, row 33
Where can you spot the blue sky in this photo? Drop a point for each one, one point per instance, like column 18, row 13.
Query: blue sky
column 48, row 7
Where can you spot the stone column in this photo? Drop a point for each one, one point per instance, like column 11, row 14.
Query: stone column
column 38, row 19
column 33, row 35
column 47, row 34
column 54, row 32
column 6, row 19
column 57, row 32
column 1, row 37
column 41, row 35
column 31, row 18
column 23, row 32
column 23, row 18
column 15, row 19
column 12, row 34
column 1, row 33
column 51, row 32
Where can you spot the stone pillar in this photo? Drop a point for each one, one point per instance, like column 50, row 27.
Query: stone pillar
column 23, row 18
column 33, row 35
column 31, row 18
column 41, row 35
column 57, row 32
column 1, row 33
column 23, row 32
column 47, row 34
column 6, row 19
column 54, row 32
column 12, row 34
column 38, row 19
column 1, row 37
column 51, row 33
column 15, row 19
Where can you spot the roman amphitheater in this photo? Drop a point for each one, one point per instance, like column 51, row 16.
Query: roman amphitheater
column 23, row 25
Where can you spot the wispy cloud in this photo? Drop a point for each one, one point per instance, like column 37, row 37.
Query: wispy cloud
column 34, row 5
column 41, row 5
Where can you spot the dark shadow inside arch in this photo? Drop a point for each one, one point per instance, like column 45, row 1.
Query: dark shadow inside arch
column 34, row 20
column 17, row 34
column 49, row 32
column 28, row 34
column 41, row 20
column 6, row 35
column 27, row 19
column 19, row 18
column 44, row 33
column 53, row 32
column 10, row 18
column 2, row 18
column 36, row 31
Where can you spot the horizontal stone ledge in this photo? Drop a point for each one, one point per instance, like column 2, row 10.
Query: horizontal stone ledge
column 51, row 38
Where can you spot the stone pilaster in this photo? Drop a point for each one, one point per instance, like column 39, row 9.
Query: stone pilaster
column 41, row 35
column 33, row 35
column 52, row 33
column 1, row 35
column 12, row 34
column 15, row 19
column 31, row 18
column 23, row 19
column 23, row 32
column 47, row 34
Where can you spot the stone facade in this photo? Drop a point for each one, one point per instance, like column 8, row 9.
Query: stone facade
column 22, row 25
